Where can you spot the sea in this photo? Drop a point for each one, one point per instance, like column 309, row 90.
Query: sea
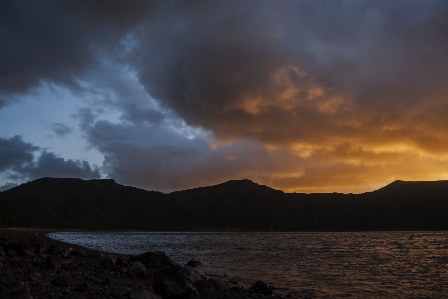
column 313, row 265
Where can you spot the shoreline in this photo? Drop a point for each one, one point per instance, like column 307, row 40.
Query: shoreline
column 37, row 233
column 35, row 266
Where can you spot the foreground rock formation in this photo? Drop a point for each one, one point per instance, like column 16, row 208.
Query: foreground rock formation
column 35, row 269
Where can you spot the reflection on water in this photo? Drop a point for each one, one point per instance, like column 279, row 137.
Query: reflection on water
column 393, row 264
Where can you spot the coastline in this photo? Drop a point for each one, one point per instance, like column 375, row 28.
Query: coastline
column 33, row 265
column 42, row 233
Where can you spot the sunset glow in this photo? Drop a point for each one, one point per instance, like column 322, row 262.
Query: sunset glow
column 302, row 96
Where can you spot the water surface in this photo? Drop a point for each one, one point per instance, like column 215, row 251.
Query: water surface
column 362, row 265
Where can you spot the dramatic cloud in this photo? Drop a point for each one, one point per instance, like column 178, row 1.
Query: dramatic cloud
column 14, row 153
column 299, row 95
column 61, row 129
column 301, row 74
column 7, row 186
column 18, row 161
column 167, row 160
column 59, row 41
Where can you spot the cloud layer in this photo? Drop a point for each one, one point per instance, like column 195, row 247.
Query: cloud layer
column 300, row 95
column 21, row 161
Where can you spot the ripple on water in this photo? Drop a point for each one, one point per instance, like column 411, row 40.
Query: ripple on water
column 397, row 264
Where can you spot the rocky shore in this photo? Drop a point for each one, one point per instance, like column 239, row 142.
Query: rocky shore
column 41, row 268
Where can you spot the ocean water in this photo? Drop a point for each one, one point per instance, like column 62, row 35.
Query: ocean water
column 319, row 265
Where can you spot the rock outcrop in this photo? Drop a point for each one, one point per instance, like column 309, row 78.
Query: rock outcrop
column 33, row 270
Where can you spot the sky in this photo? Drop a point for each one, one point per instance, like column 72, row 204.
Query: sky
column 302, row 96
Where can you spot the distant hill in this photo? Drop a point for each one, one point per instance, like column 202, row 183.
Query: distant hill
column 233, row 205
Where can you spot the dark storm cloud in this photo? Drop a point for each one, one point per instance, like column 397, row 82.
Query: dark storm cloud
column 14, row 153
column 288, row 72
column 61, row 129
column 58, row 41
column 49, row 165
column 280, row 72
column 292, row 90
column 7, row 186
column 162, row 159
column 19, row 160
column 3, row 103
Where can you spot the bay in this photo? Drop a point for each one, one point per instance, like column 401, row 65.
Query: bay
column 355, row 264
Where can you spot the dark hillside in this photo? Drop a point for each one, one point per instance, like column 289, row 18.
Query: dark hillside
column 94, row 204
column 410, row 205
column 233, row 205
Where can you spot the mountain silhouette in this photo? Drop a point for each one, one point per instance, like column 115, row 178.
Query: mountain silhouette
column 64, row 203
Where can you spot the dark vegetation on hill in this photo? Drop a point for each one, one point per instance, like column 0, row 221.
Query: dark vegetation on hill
column 234, row 205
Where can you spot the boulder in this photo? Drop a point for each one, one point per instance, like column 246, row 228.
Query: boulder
column 108, row 261
column 233, row 281
column 20, row 294
column 120, row 261
column 137, row 270
column 39, row 246
column 52, row 250
column 53, row 261
column 190, row 273
column 78, row 252
column 169, row 284
column 156, row 260
column 260, row 287
column 4, row 241
column 34, row 280
column 65, row 252
column 81, row 287
column 11, row 253
column 215, row 282
column 204, row 288
column 143, row 294
column 60, row 282
column 22, row 248
column 194, row 263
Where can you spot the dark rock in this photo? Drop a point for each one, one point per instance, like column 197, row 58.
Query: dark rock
column 22, row 248
column 65, row 252
column 53, row 261
column 108, row 281
column 194, row 263
column 34, row 280
column 108, row 261
column 39, row 247
column 20, row 294
column 52, row 250
column 60, row 282
column 78, row 252
column 137, row 270
column 168, row 283
column 143, row 294
column 149, row 273
column 156, row 260
column 237, row 289
column 260, row 287
column 120, row 261
column 215, row 282
column 190, row 273
column 205, row 288
column 4, row 241
column 11, row 253
column 81, row 287
column 233, row 281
